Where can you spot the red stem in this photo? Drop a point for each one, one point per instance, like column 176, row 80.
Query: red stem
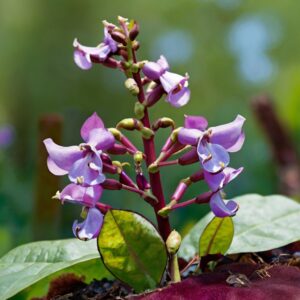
column 203, row 198
column 168, row 163
column 149, row 149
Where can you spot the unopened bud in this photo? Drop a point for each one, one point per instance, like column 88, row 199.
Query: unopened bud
column 153, row 95
column 128, row 124
column 153, row 168
column 139, row 110
column 142, row 182
column 132, row 86
column 173, row 242
column 135, row 45
column 134, row 31
column 174, row 135
column 119, row 37
column 116, row 133
column 111, row 184
column 138, row 157
column 163, row 123
column 108, row 25
column 147, row 133
column 189, row 157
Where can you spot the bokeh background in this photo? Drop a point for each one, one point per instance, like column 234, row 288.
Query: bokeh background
column 232, row 49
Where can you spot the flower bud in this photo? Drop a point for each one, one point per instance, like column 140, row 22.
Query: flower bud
column 138, row 157
column 134, row 31
column 173, row 242
column 129, row 124
column 153, row 95
column 142, row 182
column 189, row 158
column 118, row 37
column 132, row 86
column 163, row 123
column 111, row 184
column 125, row 179
column 139, row 110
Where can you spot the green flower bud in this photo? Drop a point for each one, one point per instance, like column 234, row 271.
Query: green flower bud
column 173, row 242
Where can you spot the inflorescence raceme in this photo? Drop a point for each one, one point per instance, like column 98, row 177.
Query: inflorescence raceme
column 90, row 167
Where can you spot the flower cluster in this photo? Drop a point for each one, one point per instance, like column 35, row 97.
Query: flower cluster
column 84, row 167
column 88, row 164
column 212, row 148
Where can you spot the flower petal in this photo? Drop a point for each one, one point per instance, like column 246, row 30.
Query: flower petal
column 189, row 136
column 152, row 70
column 220, row 208
column 87, row 170
column 93, row 122
column 213, row 157
column 229, row 135
column 179, row 98
column 55, row 169
column 81, row 60
column 87, row 196
column 101, row 139
column 90, row 227
column 109, row 41
column 218, row 181
column 231, row 174
column 195, row 122
column 163, row 63
column 63, row 157
column 171, row 81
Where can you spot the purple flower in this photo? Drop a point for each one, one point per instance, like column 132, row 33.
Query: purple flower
column 77, row 194
column 7, row 134
column 175, row 85
column 84, row 56
column 90, row 227
column 82, row 163
column 217, row 182
column 220, row 208
column 214, row 143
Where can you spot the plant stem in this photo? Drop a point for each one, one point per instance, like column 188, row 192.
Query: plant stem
column 149, row 149
column 174, row 268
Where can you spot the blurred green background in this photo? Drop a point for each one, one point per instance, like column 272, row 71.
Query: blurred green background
column 232, row 50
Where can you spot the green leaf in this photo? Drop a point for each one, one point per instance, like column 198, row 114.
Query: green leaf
column 262, row 223
column 132, row 249
column 216, row 237
column 32, row 266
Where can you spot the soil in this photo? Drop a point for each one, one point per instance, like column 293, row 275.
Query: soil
column 268, row 275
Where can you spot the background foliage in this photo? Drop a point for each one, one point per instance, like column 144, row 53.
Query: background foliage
column 232, row 49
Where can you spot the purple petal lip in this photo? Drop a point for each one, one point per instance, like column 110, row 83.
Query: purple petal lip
column 213, row 157
column 86, row 196
column 219, row 180
column 195, row 122
column 222, row 209
column 229, row 135
column 172, row 81
column 162, row 61
column 61, row 157
column 90, row 227
column 188, row 136
column 83, row 55
column 180, row 98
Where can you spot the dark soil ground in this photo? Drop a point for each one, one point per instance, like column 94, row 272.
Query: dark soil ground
column 268, row 275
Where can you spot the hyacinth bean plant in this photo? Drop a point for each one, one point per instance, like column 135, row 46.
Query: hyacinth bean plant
column 131, row 248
